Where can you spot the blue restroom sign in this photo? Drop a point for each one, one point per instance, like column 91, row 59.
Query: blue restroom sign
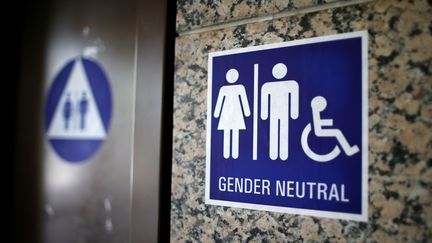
column 287, row 127
column 78, row 110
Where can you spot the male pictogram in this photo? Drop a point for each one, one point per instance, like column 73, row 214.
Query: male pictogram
column 279, row 102
column 83, row 107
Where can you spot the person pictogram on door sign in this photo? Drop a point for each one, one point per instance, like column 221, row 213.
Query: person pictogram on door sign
column 83, row 107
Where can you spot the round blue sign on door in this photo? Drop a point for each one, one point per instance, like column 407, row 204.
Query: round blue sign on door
column 78, row 110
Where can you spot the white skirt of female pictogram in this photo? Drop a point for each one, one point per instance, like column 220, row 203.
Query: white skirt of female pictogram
column 231, row 116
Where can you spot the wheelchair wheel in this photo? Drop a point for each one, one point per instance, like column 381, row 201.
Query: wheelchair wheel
column 317, row 157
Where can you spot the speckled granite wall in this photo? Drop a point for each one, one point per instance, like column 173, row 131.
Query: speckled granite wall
column 400, row 122
column 193, row 14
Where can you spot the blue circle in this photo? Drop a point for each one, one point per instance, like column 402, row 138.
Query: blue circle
column 79, row 149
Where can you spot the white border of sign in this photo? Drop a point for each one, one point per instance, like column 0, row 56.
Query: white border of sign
column 320, row 213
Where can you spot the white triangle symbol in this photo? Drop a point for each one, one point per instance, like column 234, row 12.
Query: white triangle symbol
column 76, row 115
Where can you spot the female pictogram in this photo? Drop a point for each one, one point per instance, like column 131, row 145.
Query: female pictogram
column 229, row 110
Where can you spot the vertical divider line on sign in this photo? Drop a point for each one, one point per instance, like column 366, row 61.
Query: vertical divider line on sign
column 255, row 114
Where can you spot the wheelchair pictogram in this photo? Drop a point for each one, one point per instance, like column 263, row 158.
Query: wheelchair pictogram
column 318, row 104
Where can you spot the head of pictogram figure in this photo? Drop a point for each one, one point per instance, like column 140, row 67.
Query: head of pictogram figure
column 279, row 71
column 232, row 76
column 319, row 103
